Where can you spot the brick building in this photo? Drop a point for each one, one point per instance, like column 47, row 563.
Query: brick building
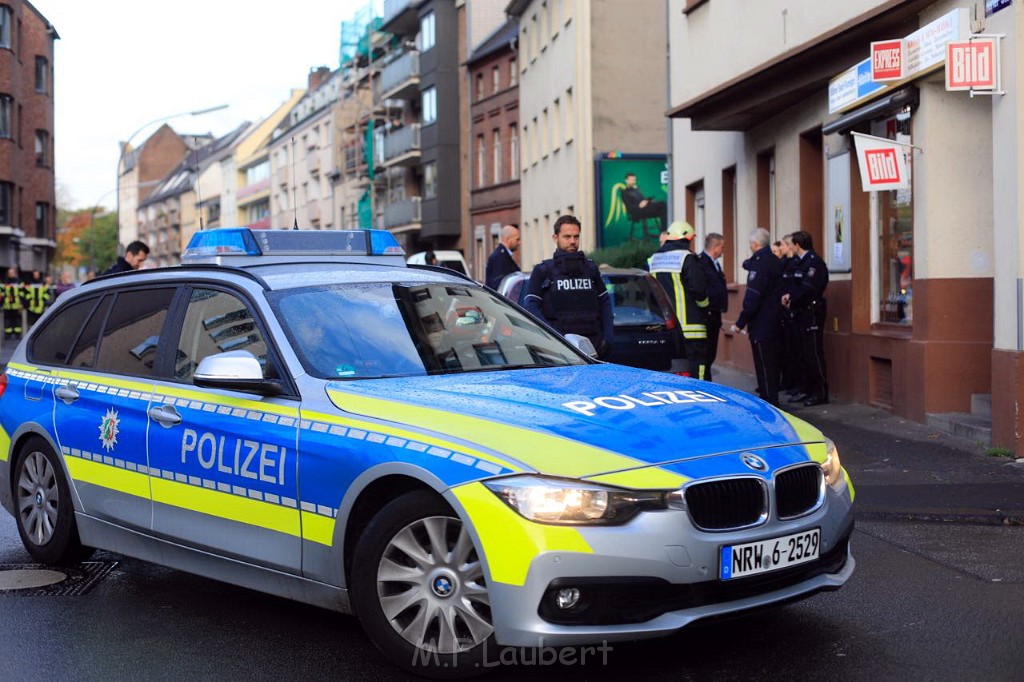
column 28, row 207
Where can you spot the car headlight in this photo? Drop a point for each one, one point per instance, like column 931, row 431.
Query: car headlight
column 560, row 501
column 831, row 467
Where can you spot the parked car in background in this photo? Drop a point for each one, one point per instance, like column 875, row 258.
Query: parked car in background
column 452, row 260
column 646, row 328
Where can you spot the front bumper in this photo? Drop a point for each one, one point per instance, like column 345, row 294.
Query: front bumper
column 650, row 577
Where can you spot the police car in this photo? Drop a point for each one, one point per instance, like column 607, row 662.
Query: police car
column 300, row 412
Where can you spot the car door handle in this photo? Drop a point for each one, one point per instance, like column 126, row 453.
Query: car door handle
column 68, row 393
column 166, row 415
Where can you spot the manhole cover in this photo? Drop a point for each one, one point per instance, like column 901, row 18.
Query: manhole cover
column 36, row 580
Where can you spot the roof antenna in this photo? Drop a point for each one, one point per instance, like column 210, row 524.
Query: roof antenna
column 295, row 197
column 199, row 191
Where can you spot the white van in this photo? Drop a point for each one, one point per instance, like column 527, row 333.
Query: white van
column 448, row 259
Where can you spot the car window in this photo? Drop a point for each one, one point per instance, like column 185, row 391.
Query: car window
column 215, row 322
column 633, row 300
column 84, row 353
column 51, row 345
column 384, row 330
column 132, row 331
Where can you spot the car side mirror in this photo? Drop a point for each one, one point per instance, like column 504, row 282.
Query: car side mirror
column 582, row 344
column 236, row 370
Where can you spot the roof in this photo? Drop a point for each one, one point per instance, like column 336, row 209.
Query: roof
column 501, row 39
column 180, row 180
column 516, row 8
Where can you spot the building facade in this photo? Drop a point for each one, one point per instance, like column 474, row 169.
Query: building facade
column 924, row 309
column 591, row 82
column 28, row 209
column 493, row 142
column 139, row 171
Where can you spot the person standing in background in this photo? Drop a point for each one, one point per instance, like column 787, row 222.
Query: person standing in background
column 502, row 262
column 718, row 294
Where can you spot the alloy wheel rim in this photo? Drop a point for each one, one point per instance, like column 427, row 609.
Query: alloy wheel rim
column 431, row 587
column 38, row 498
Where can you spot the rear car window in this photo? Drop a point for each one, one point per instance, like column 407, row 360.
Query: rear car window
column 51, row 345
column 633, row 300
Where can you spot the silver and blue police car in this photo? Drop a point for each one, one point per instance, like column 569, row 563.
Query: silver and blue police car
column 302, row 413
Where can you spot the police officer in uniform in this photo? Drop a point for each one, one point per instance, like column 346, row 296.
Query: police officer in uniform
column 501, row 262
column 37, row 297
column 680, row 274
column 14, row 299
column 761, row 306
column 790, row 363
column 567, row 291
column 805, row 297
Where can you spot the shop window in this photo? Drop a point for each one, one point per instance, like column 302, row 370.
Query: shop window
column 896, row 232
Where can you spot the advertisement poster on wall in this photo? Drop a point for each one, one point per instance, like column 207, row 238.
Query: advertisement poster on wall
column 632, row 194
column 837, row 232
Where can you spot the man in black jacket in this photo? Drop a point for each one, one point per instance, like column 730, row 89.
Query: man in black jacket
column 761, row 307
column 718, row 294
column 679, row 272
column 567, row 291
column 501, row 262
column 134, row 256
column 805, row 298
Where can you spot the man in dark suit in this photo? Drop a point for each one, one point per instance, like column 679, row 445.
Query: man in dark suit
column 640, row 206
column 718, row 294
column 501, row 262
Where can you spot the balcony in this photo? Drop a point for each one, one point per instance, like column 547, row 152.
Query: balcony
column 282, row 176
column 401, row 78
column 402, row 213
column 313, row 162
column 313, row 213
column 402, row 146
column 400, row 17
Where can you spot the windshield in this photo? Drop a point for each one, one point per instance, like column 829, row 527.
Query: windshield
column 633, row 300
column 365, row 331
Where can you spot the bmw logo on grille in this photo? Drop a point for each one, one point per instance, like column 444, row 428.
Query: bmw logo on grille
column 754, row 462
column 442, row 586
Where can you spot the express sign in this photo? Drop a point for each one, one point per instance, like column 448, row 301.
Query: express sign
column 970, row 65
column 888, row 60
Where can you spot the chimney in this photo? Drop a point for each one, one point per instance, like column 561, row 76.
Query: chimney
column 317, row 76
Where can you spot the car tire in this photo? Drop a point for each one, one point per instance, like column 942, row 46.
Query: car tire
column 419, row 590
column 44, row 511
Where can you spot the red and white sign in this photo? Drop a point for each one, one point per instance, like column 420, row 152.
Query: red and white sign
column 888, row 60
column 883, row 163
column 971, row 65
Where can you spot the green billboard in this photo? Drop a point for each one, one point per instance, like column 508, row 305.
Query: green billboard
column 632, row 195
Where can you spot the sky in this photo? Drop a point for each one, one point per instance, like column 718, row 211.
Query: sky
column 120, row 64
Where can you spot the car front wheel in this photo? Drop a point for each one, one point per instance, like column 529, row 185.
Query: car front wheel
column 45, row 513
column 418, row 588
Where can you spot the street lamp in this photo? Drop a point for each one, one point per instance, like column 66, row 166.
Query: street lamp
column 124, row 146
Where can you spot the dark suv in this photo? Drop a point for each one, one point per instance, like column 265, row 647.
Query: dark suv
column 646, row 329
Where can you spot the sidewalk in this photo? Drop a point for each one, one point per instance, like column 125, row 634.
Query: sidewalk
column 906, row 470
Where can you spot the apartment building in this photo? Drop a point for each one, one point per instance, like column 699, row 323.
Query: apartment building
column 924, row 303
column 139, row 171
column 591, row 83
column 493, row 78
column 28, row 209
column 252, row 168
column 302, row 157
column 419, row 134
column 216, row 183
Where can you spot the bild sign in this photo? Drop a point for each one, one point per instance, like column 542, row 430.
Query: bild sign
column 882, row 162
column 971, row 65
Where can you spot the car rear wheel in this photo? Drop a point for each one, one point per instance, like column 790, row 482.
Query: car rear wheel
column 45, row 513
column 418, row 588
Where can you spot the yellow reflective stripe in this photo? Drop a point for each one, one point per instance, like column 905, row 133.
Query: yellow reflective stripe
column 317, row 528
column 562, row 456
column 649, row 478
column 105, row 476
column 227, row 506
column 510, row 542
column 704, row 303
column 409, row 435
column 5, row 445
column 677, row 291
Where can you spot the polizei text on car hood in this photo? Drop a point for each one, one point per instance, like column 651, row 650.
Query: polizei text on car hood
column 591, row 422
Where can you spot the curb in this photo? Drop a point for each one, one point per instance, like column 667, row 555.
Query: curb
column 966, row 516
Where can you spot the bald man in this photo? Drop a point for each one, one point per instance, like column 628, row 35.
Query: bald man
column 501, row 262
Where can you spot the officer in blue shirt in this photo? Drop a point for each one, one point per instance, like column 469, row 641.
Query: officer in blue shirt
column 761, row 313
column 805, row 298
column 567, row 291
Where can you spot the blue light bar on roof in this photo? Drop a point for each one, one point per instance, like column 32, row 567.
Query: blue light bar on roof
column 243, row 241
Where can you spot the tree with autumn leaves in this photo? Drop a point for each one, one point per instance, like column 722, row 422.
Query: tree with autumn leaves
column 86, row 239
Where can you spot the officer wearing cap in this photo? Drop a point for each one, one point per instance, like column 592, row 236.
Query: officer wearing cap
column 805, row 298
column 567, row 291
column 680, row 274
